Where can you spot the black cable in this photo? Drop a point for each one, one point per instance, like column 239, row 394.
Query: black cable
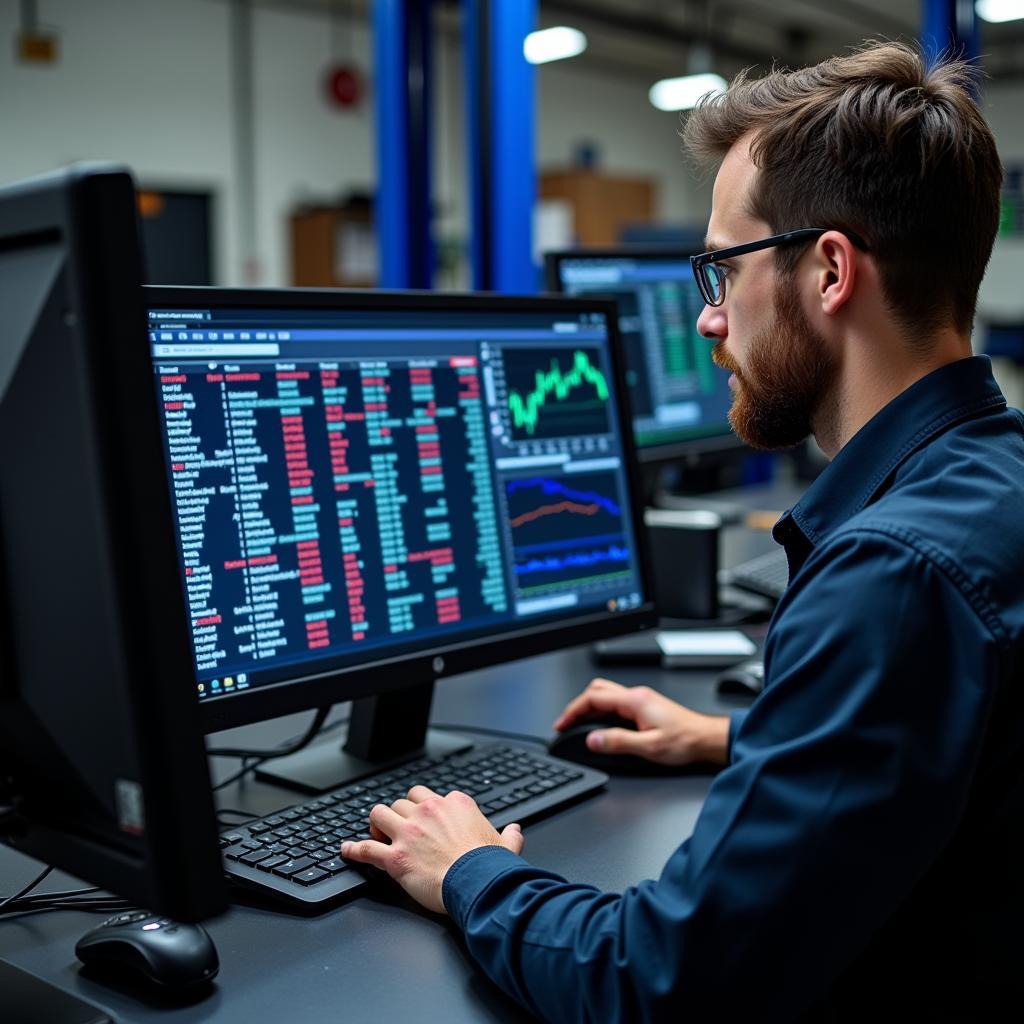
column 258, row 757
column 64, row 894
column 484, row 731
column 245, row 769
column 235, row 810
column 242, row 752
column 23, row 908
column 28, row 888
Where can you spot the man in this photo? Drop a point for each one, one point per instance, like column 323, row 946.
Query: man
column 859, row 856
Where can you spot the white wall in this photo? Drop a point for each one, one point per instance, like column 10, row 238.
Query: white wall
column 632, row 136
column 148, row 82
column 138, row 81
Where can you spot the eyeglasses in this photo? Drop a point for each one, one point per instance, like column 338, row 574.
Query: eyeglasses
column 710, row 277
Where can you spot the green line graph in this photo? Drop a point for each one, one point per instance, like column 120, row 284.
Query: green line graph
column 565, row 397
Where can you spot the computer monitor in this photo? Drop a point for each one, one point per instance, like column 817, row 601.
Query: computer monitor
column 680, row 399
column 376, row 490
column 102, row 766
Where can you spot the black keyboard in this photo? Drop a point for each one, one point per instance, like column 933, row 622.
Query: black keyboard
column 767, row 575
column 293, row 855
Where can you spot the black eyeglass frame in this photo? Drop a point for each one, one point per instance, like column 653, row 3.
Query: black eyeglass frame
column 705, row 259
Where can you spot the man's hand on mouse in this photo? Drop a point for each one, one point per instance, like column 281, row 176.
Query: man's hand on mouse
column 418, row 839
column 666, row 733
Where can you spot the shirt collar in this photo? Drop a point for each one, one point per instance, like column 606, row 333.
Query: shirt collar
column 867, row 461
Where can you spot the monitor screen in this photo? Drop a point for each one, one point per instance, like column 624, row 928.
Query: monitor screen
column 680, row 399
column 362, row 478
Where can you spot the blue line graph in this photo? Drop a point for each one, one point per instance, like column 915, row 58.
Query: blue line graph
column 583, row 559
column 549, row 487
column 569, row 542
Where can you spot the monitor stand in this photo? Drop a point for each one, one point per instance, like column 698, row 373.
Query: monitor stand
column 683, row 487
column 28, row 998
column 384, row 731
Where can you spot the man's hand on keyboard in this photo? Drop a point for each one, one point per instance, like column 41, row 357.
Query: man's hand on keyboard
column 666, row 733
column 418, row 839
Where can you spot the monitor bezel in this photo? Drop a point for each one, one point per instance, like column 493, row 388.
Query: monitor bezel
column 667, row 451
column 99, row 744
column 440, row 659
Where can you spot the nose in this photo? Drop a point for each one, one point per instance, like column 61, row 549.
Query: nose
column 712, row 323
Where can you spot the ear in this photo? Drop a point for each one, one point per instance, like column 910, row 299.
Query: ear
column 836, row 258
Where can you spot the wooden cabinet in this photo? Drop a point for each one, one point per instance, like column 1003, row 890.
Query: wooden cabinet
column 602, row 204
column 334, row 248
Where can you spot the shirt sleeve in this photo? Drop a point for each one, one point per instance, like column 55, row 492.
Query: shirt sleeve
column 848, row 777
column 736, row 719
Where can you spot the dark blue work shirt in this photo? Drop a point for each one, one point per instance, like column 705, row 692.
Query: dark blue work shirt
column 860, row 857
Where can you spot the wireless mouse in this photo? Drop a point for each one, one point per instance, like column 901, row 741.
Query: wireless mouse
column 140, row 946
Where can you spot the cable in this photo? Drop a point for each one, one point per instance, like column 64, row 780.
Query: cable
column 105, row 905
column 258, row 757
column 242, row 752
column 28, row 888
column 235, row 810
column 484, row 731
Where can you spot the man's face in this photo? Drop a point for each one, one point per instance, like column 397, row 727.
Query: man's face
column 782, row 367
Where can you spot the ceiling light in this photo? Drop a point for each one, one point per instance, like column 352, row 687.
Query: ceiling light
column 683, row 93
column 999, row 10
column 553, row 44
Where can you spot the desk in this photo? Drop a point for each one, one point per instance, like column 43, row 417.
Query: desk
column 379, row 956
column 375, row 958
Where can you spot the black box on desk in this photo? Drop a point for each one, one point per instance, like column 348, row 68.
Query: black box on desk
column 684, row 557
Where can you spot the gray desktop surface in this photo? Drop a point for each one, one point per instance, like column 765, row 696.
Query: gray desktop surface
column 377, row 956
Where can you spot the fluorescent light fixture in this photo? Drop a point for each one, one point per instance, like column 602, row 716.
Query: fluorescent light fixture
column 683, row 93
column 553, row 44
column 999, row 10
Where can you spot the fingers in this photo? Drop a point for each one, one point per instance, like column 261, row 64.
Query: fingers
column 367, row 852
column 601, row 697
column 512, row 838
column 420, row 793
column 619, row 741
column 386, row 820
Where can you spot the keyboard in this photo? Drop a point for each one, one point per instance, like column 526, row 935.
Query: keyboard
column 767, row 575
column 292, row 856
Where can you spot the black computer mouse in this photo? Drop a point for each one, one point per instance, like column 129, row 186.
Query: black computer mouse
column 571, row 745
column 746, row 679
column 140, row 946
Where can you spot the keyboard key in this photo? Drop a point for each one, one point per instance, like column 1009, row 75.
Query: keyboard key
column 293, row 867
column 255, row 857
column 310, row 876
column 333, row 866
column 271, row 862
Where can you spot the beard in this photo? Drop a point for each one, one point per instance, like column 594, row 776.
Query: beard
column 789, row 373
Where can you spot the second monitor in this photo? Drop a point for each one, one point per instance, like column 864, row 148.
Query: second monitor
column 680, row 398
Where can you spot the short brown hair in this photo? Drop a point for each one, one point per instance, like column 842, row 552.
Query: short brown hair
column 878, row 143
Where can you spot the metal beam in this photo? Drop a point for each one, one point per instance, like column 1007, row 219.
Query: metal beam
column 500, row 98
column 949, row 26
column 403, row 207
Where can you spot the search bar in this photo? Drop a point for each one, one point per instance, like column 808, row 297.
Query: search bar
column 205, row 350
